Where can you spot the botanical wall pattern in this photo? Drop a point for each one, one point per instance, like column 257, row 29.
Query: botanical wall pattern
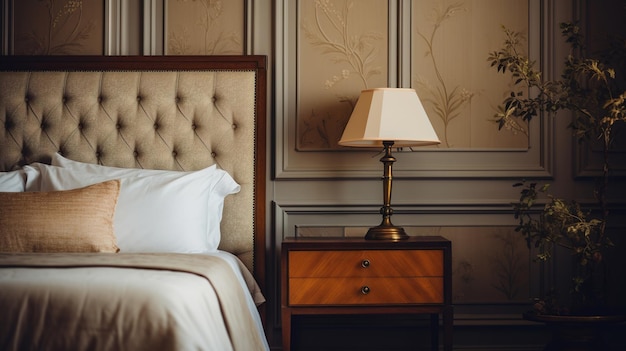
column 205, row 27
column 489, row 264
column 342, row 50
column 49, row 27
column 451, row 42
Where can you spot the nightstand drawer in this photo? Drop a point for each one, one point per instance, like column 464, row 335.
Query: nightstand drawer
column 365, row 291
column 326, row 276
column 366, row 263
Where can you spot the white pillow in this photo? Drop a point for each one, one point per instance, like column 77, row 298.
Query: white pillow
column 157, row 211
column 12, row 182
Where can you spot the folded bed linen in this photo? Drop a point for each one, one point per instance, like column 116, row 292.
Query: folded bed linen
column 128, row 302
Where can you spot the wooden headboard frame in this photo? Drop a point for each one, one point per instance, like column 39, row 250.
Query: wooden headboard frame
column 160, row 112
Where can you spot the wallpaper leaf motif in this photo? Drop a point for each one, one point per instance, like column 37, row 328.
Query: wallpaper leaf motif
column 509, row 267
column 449, row 45
column 205, row 34
column 356, row 50
column 447, row 102
column 65, row 33
column 353, row 54
column 497, row 271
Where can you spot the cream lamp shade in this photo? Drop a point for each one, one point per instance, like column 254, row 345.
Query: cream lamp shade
column 389, row 114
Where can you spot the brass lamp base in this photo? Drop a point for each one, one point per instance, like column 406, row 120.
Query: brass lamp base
column 386, row 232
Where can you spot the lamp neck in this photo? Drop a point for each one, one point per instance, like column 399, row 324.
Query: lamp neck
column 387, row 157
column 386, row 230
column 387, row 161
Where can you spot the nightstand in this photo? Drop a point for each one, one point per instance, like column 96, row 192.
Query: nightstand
column 358, row 276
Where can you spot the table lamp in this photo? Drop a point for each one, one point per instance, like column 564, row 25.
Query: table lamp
column 388, row 117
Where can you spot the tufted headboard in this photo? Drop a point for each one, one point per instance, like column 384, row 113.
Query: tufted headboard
column 158, row 112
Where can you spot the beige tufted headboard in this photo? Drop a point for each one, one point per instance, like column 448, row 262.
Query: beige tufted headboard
column 167, row 112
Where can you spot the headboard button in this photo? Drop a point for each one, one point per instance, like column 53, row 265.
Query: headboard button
column 8, row 123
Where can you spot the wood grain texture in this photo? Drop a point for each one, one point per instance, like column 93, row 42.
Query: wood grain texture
column 347, row 291
column 336, row 277
column 382, row 263
column 325, row 276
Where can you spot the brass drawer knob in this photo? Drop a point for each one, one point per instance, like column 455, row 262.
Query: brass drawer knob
column 365, row 263
column 365, row 290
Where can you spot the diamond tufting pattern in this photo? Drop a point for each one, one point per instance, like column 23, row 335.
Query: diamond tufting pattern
column 176, row 120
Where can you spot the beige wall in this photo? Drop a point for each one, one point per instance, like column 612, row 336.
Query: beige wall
column 461, row 190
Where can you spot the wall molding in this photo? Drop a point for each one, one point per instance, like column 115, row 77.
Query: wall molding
column 154, row 26
column 112, row 27
column 6, row 14
column 290, row 216
column 290, row 163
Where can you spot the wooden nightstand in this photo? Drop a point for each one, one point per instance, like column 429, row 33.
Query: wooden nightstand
column 357, row 276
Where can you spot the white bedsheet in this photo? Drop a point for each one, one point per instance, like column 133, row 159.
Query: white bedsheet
column 115, row 308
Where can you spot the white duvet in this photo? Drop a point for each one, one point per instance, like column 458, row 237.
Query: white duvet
column 60, row 305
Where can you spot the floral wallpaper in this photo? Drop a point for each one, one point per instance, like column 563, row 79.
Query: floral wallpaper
column 205, row 27
column 499, row 274
column 460, row 91
column 342, row 50
column 49, row 27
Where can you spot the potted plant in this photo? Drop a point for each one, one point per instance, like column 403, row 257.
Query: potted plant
column 592, row 89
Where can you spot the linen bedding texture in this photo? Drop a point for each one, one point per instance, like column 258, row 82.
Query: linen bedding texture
column 134, row 301
column 157, row 210
column 78, row 220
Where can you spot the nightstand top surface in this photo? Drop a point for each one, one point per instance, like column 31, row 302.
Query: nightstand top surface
column 340, row 242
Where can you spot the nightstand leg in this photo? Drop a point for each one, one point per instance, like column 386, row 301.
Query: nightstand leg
column 434, row 331
column 286, row 324
column 448, row 317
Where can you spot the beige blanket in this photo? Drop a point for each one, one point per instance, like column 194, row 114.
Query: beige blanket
column 124, row 301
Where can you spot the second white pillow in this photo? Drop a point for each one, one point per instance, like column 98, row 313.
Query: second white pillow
column 157, row 211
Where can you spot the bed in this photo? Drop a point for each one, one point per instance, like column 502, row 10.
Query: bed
column 132, row 202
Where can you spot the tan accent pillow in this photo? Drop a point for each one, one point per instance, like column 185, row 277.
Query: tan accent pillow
column 79, row 220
